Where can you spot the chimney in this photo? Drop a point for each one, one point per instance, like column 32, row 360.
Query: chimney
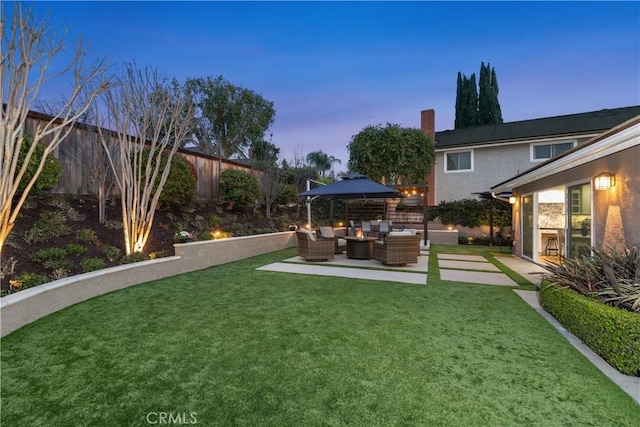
column 428, row 126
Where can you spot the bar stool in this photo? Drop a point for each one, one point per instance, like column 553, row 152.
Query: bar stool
column 552, row 246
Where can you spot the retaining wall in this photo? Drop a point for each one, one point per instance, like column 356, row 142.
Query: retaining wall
column 24, row 307
column 444, row 237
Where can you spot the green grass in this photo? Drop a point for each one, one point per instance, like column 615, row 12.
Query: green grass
column 237, row 346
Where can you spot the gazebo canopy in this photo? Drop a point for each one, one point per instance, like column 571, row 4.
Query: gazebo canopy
column 353, row 186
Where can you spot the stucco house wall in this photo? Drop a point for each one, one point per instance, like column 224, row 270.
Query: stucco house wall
column 615, row 212
column 491, row 164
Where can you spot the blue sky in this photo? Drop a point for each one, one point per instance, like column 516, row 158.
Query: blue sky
column 333, row 68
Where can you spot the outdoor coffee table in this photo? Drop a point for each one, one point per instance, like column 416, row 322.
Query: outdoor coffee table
column 359, row 247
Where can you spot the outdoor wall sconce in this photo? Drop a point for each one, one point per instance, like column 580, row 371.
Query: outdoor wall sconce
column 604, row 181
column 512, row 200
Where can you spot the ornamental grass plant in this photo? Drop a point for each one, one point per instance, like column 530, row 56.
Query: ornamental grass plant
column 609, row 276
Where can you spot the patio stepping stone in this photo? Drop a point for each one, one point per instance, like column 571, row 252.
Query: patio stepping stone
column 480, row 277
column 530, row 271
column 355, row 273
column 462, row 257
column 468, row 265
column 342, row 260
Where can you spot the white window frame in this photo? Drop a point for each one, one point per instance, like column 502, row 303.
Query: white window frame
column 446, row 170
column 573, row 143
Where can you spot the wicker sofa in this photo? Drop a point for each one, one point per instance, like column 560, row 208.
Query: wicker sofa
column 313, row 249
column 399, row 248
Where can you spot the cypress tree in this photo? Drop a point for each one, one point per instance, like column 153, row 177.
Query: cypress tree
column 485, row 99
column 473, row 109
column 472, row 102
column 458, row 120
column 497, row 111
column 466, row 101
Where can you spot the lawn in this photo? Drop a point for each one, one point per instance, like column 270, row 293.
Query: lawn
column 231, row 345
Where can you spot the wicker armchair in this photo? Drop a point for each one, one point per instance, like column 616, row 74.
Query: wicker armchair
column 328, row 233
column 397, row 249
column 314, row 250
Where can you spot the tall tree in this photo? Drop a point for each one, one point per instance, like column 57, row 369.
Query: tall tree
column 489, row 111
column 459, row 89
column 31, row 54
column 466, row 101
column 229, row 118
column 473, row 109
column 271, row 178
column 471, row 102
column 495, row 107
column 322, row 162
column 392, row 154
column 143, row 104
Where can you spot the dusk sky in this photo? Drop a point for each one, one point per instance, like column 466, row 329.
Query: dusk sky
column 333, row 68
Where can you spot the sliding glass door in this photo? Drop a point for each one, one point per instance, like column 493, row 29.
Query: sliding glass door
column 527, row 226
column 579, row 235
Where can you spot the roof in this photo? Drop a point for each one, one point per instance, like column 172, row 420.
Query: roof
column 572, row 124
column 616, row 139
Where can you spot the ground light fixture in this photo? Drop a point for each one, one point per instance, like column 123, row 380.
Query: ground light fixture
column 604, row 181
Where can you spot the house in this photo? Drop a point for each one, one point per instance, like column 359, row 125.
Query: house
column 587, row 196
column 471, row 160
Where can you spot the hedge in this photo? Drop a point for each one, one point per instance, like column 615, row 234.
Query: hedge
column 610, row 332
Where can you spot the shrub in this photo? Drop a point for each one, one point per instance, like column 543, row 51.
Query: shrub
column 180, row 189
column 59, row 273
column 134, row 257
column 239, row 187
column 472, row 213
column 50, row 172
column 212, row 220
column 75, row 249
column 111, row 252
column 29, row 280
column 92, row 264
column 183, row 237
column 48, row 254
column 63, row 207
column 158, row 254
column 612, row 333
column 50, row 224
column 288, row 195
column 113, row 224
column 86, row 235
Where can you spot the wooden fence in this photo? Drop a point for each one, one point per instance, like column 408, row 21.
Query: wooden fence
column 82, row 159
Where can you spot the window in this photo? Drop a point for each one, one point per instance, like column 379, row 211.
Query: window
column 541, row 152
column 461, row 161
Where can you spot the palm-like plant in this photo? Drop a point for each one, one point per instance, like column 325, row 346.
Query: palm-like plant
column 612, row 277
column 321, row 161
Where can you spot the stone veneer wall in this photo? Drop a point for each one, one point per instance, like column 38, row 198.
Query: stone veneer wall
column 24, row 307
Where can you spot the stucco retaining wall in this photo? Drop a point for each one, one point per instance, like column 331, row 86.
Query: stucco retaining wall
column 444, row 237
column 24, row 307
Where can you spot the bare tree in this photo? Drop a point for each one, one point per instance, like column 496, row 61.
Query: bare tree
column 98, row 174
column 272, row 185
column 31, row 53
column 151, row 119
column 101, row 178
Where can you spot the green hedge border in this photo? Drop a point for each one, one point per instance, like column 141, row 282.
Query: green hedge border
column 612, row 333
